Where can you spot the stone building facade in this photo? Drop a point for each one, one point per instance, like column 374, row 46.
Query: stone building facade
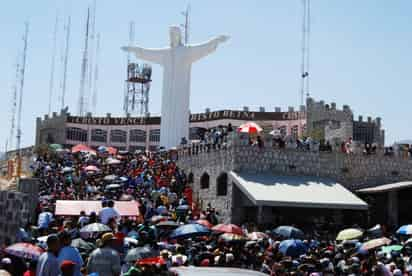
column 354, row 171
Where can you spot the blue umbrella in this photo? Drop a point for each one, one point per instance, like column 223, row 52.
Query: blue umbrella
column 405, row 230
column 292, row 248
column 289, row 232
column 189, row 230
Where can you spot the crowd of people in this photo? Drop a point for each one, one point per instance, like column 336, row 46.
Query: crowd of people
column 169, row 229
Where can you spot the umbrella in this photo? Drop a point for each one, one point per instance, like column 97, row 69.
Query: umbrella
column 113, row 186
column 229, row 237
column 183, row 208
column 95, row 228
column 140, row 253
column 289, row 232
column 349, row 234
column 292, row 248
column 67, row 170
column 55, row 147
column 189, row 230
column 112, row 161
column 250, row 128
column 91, row 168
column 102, row 149
column 110, row 178
column 204, row 222
column 111, row 150
column 375, row 243
column 228, row 228
column 254, row 236
column 375, row 231
column 162, row 210
column 152, row 261
column 24, row 250
column 405, row 230
column 83, row 245
column 389, row 249
column 275, row 132
column 82, row 148
column 168, row 224
column 250, row 243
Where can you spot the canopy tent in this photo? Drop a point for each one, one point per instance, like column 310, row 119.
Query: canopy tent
column 300, row 191
column 74, row 207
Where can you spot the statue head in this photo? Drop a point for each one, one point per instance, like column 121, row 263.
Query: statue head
column 175, row 36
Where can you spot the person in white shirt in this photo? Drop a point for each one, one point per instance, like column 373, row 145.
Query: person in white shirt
column 108, row 212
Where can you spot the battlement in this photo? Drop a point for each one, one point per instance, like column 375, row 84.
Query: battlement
column 322, row 106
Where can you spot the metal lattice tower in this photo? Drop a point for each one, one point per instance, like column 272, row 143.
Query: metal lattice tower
column 53, row 62
column 82, row 105
column 65, row 62
column 304, row 90
column 15, row 92
column 136, row 98
column 96, row 74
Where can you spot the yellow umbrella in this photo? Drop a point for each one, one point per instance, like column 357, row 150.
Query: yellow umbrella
column 349, row 234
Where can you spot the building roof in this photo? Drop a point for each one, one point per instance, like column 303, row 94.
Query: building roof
column 296, row 191
column 387, row 187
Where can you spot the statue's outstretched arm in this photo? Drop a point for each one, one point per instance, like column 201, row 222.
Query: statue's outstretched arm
column 152, row 55
column 197, row 51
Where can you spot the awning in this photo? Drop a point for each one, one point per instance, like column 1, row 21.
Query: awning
column 386, row 188
column 74, row 207
column 296, row 191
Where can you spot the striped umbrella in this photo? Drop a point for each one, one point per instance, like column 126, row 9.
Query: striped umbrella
column 24, row 250
column 405, row 230
column 250, row 127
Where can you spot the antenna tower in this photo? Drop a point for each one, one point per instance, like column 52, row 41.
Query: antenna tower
column 22, row 71
column 136, row 99
column 305, row 51
column 186, row 25
column 92, row 36
column 53, row 61
column 96, row 74
column 82, row 95
column 65, row 62
column 15, row 93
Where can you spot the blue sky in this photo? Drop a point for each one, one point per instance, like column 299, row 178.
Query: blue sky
column 360, row 55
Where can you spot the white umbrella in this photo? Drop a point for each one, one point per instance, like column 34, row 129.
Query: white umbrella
column 250, row 128
column 275, row 132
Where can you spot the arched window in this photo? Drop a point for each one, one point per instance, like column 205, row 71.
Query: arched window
column 154, row 135
column 118, row 136
column 204, row 181
column 76, row 134
column 221, row 185
column 99, row 135
column 190, row 178
column 137, row 135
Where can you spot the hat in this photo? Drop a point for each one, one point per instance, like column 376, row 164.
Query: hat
column 107, row 237
column 67, row 264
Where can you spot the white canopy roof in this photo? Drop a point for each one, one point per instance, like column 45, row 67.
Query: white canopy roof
column 387, row 187
column 296, row 191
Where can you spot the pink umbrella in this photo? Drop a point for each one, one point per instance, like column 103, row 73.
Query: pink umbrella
column 82, row 148
column 205, row 223
column 24, row 250
column 254, row 236
column 91, row 168
column 228, row 228
column 250, row 127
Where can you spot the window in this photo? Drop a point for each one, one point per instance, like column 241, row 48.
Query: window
column 154, row 135
column 118, row 136
column 76, row 134
column 137, row 135
column 204, row 181
column 99, row 135
column 221, row 184
column 190, row 178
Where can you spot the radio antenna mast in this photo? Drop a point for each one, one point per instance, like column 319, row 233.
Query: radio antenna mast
column 82, row 97
column 186, row 25
column 53, row 61
column 65, row 62
column 304, row 90
column 15, row 92
column 96, row 74
column 22, row 71
column 92, row 36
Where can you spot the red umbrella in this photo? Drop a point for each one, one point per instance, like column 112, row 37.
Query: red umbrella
column 24, row 250
column 250, row 127
column 228, row 228
column 152, row 261
column 205, row 223
column 82, row 148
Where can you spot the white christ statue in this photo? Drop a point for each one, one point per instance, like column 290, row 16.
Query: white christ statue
column 177, row 62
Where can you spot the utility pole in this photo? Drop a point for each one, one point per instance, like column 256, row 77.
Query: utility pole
column 82, row 95
column 65, row 62
column 22, row 72
column 53, row 61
